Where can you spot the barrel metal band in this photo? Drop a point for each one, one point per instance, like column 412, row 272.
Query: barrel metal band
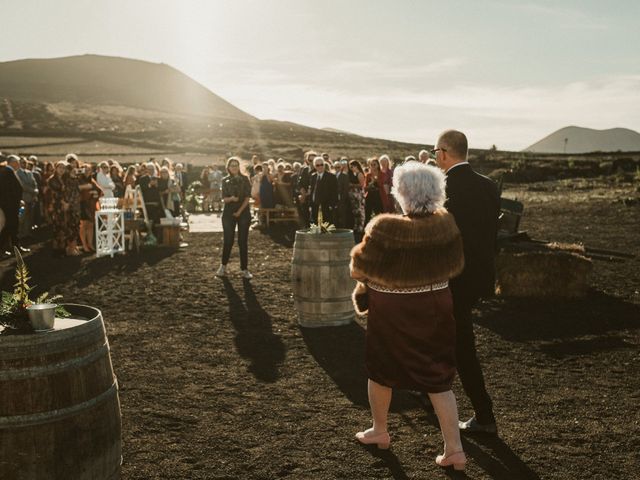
column 20, row 421
column 54, row 367
column 322, row 300
column 422, row 289
column 337, row 263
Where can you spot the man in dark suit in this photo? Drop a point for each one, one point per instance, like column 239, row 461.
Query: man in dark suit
column 474, row 202
column 323, row 192
column 10, row 198
column 304, row 184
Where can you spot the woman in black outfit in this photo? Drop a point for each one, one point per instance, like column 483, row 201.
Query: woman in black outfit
column 236, row 193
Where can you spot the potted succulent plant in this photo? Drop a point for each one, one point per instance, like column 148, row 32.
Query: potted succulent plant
column 20, row 314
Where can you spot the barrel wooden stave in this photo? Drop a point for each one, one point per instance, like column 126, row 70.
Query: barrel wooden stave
column 322, row 284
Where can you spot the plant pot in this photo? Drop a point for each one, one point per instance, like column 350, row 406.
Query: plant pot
column 42, row 315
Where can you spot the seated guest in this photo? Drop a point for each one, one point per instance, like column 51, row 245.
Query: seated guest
column 403, row 266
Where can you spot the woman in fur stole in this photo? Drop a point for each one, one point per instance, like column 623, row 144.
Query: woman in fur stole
column 403, row 266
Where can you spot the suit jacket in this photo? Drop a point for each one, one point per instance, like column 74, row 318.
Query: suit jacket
column 29, row 185
column 326, row 190
column 304, row 178
column 343, row 187
column 474, row 201
column 10, row 196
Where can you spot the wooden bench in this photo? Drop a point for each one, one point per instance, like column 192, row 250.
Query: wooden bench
column 268, row 215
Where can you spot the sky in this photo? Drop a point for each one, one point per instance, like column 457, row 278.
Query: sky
column 506, row 72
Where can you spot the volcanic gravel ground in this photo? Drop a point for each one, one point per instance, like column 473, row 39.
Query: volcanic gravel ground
column 217, row 381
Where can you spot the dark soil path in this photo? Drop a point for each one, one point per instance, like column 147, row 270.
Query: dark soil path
column 217, row 381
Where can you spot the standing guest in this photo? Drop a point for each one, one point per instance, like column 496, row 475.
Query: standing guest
column 255, row 162
column 386, row 172
column 148, row 182
column 267, row 199
column 403, row 267
column 295, row 179
column 57, row 207
column 236, row 193
column 272, row 167
column 169, row 192
column 103, row 178
column 373, row 191
column 215, row 184
column 304, row 184
column 255, row 185
column 206, row 189
column 343, row 209
column 10, row 198
column 29, row 198
column 283, row 189
column 474, row 202
column 130, row 177
column 180, row 178
column 33, row 167
column 72, row 217
column 89, row 194
column 323, row 192
column 356, row 199
column 116, row 176
column 49, row 170
column 423, row 156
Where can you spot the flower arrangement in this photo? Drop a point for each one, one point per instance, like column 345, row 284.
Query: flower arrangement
column 321, row 227
column 13, row 306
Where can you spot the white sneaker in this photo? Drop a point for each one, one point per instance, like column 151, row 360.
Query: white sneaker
column 246, row 274
column 222, row 271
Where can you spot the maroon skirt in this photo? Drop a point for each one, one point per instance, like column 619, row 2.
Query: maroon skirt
column 410, row 340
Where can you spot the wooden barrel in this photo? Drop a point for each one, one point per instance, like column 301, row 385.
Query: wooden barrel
column 322, row 285
column 59, row 407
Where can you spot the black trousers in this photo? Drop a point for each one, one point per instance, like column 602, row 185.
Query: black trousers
column 229, row 223
column 469, row 369
column 372, row 206
column 327, row 213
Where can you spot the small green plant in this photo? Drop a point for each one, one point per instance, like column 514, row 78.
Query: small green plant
column 321, row 227
column 13, row 306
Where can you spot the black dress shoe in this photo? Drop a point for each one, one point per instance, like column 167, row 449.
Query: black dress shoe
column 472, row 426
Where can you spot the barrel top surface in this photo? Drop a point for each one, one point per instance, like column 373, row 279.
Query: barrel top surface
column 338, row 233
column 83, row 319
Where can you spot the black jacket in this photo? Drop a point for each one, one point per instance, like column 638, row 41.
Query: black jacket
column 10, row 196
column 326, row 191
column 474, row 201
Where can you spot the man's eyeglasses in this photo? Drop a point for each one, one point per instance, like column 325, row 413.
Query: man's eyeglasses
column 319, row 165
column 435, row 151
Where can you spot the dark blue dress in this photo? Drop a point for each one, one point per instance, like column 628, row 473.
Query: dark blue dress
column 266, row 193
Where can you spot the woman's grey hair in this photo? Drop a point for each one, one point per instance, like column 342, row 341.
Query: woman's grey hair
column 419, row 188
column 152, row 169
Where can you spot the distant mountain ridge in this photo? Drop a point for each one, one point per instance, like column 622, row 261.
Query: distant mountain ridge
column 577, row 140
column 103, row 80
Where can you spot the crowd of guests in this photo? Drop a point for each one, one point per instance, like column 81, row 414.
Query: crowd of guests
column 65, row 195
column 347, row 192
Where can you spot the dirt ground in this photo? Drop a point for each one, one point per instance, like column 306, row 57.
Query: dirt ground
column 217, row 381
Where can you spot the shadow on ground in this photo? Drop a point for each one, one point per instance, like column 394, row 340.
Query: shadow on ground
column 254, row 340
